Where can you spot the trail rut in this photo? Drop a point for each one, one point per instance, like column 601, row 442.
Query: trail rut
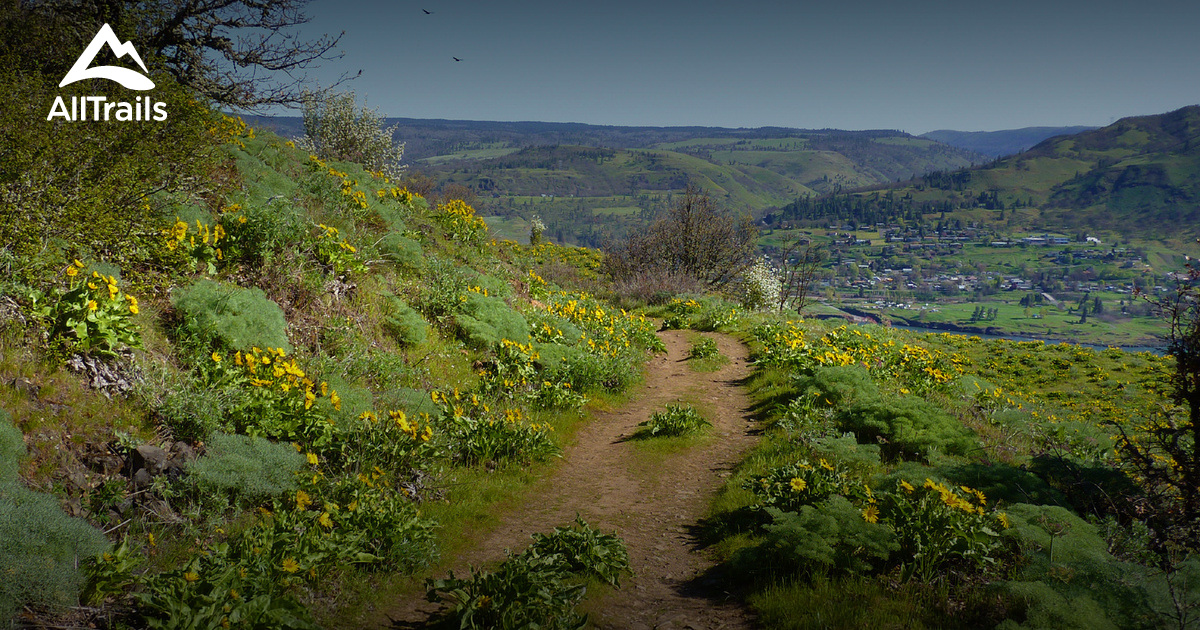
column 653, row 503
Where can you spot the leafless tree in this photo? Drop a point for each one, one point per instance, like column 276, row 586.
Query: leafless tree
column 696, row 238
column 1165, row 454
column 800, row 263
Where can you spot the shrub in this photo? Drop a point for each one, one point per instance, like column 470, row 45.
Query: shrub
column 703, row 349
column 460, row 222
column 248, row 468
column 441, row 289
column 92, row 314
column 40, row 550
column 402, row 251
column 838, row 386
column 675, row 420
column 232, row 317
column 335, row 129
column 941, row 527
column 540, row 587
column 255, row 232
column 405, row 325
column 271, row 396
column 792, row 486
column 586, row 372
column 760, row 288
column 192, row 411
column 483, row 321
column 831, row 536
column 395, row 444
column 907, row 427
column 480, row 435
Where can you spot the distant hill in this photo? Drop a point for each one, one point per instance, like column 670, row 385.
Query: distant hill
column 1000, row 143
column 591, row 182
column 1138, row 177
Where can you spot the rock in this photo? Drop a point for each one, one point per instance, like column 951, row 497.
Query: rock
column 74, row 506
column 142, row 480
column 106, row 464
column 184, row 452
column 80, row 480
column 174, row 470
column 150, row 457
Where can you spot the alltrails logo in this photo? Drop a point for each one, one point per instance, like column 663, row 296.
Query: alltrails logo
column 100, row 108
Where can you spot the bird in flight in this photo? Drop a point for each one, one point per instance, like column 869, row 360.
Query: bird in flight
column 427, row 11
column 456, row 59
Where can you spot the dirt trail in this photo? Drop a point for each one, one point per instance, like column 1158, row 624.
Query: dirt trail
column 652, row 502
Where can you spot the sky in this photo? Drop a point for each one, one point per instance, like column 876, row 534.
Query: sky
column 915, row 66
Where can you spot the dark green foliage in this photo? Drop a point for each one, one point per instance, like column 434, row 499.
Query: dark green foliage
column 909, row 427
column 584, row 551
column 703, row 349
column 252, row 469
column 402, row 251
column 838, row 386
column 540, row 587
column 85, row 185
column 585, row 372
column 272, row 225
column 232, row 317
column 830, row 536
column 1001, row 482
column 1096, row 488
column 673, row 421
column 847, row 451
column 404, row 324
column 1074, row 582
column 12, row 448
column 484, row 321
column 40, row 550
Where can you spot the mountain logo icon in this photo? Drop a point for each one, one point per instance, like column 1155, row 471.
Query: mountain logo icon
column 126, row 77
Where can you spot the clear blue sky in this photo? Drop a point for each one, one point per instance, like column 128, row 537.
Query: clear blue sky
column 916, row 66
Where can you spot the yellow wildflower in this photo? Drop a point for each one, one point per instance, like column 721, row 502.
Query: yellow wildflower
column 325, row 521
column 72, row 271
column 191, row 576
column 312, row 458
column 302, row 500
column 92, row 305
column 290, row 565
column 798, row 484
column 216, row 357
column 871, row 514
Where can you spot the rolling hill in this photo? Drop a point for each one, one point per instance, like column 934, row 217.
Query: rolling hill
column 1138, row 177
column 1000, row 143
column 592, row 182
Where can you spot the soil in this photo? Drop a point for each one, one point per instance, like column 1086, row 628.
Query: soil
column 653, row 501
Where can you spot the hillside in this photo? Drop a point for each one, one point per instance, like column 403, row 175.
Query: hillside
column 1139, row 177
column 996, row 144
